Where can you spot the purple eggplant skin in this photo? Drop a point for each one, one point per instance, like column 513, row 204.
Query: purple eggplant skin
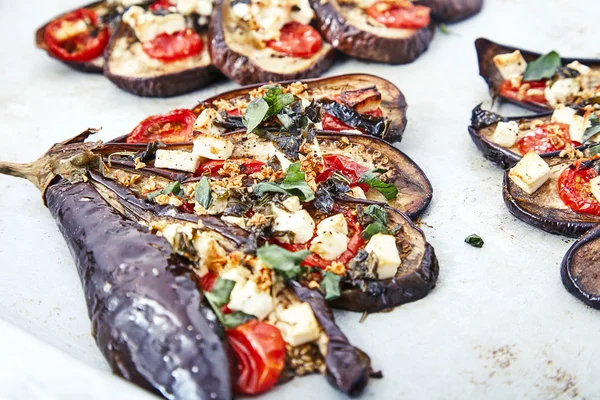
column 452, row 10
column 147, row 312
column 358, row 43
column 486, row 50
column 348, row 368
column 580, row 269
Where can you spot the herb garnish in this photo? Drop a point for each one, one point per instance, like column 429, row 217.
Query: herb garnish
column 592, row 130
column 388, row 190
column 171, row 188
column 331, row 285
column 544, row 67
column 379, row 224
column 474, row 240
column 444, row 29
column 264, row 107
column 150, row 153
column 203, row 194
column 294, row 184
column 286, row 263
column 219, row 296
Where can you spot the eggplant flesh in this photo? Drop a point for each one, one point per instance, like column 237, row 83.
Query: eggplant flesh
column 580, row 269
column 452, row 10
column 486, row 50
column 347, row 28
column 393, row 103
column 544, row 209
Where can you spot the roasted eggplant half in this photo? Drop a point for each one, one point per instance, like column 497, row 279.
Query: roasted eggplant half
column 535, row 81
column 362, row 33
column 555, row 194
column 351, row 103
column 78, row 38
column 248, row 48
column 579, row 269
column 165, row 65
column 452, row 10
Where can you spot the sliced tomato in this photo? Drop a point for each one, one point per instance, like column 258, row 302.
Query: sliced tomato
column 234, row 112
column 160, row 5
column 512, row 92
column 169, row 47
column 297, row 40
column 176, row 126
column 574, row 190
column 331, row 123
column 247, row 166
column 187, row 207
column 400, row 15
column 78, row 46
column 344, row 165
column 547, row 138
column 208, row 281
column 260, row 351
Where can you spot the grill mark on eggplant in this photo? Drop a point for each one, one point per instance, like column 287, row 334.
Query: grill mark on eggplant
column 452, row 10
column 580, row 269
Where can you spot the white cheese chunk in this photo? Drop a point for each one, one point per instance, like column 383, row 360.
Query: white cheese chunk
column 335, row 223
column 177, row 159
column 236, row 274
column 213, row 147
column 578, row 125
column 562, row 91
column 205, row 123
column 595, row 185
column 330, row 244
column 563, row 114
column 579, row 67
column 238, row 221
column 298, row 324
column 388, row 258
column 201, row 7
column 357, row 192
column 246, row 297
column 530, row 173
column 299, row 225
column 241, row 10
column 510, row 65
column 506, row 133
column 147, row 26
column 292, row 204
column 208, row 249
column 68, row 29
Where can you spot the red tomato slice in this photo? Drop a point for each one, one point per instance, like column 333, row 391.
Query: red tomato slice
column 247, row 166
column 331, row 123
column 405, row 15
column 208, row 281
column 175, row 46
column 544, row 140
column 511, row 92
column 344, row 165
column 80, row 47
column 297, row 40
column 260, row 351
column 160, row 5
column 574, row 190
column 176, row 126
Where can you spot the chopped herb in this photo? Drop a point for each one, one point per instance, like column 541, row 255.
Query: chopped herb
column 218, row 297
column 255, row 113
column 444, row 29
column 171, row 188
column 331, row 285
column 264, row 107
column 294, row 184
column 203, row 194
column 474, row 240
column 593, row 150
column 374, row 228
column 150, row 153
column 376, row 212
column 592, row 130
column 544, row 67
column 234, row 319
column 379, row 224
column 286, row 263
column 277, row 100
column 388, row 190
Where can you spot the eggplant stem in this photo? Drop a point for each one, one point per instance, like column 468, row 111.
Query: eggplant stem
column 14, row 169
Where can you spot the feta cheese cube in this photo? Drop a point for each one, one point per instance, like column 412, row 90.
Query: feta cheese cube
column 595, row 185
column 246, row 297
column 147, row 26
column 212, row 147
column 510, row 65
column 292, row 203
column 579, row 67
column 530, row 173
column 297, row 227
column 236, row 274
column 357, row 192
column 388, row 258
column 205, row 123
column 506, row 133
column 577, row 127
column 329, row 245
column 562, row 91
column 563, row 114
column 177, row 159
column 336, row 223
column 298, row 324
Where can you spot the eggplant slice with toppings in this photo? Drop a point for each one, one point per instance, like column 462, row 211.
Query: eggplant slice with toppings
column 128, row 67
column 236, row 55
column 544, row 209
column 580, row 269
column 347, row 27
column 452, row 10
column 354, row 86
column 486, row 50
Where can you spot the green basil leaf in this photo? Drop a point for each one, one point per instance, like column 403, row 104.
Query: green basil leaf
column 544, row 67
column 277, row 100
column 286, row 121
column 235, row 318
column 474, row 240
column 295, row 183
column 285, row 262
column 378, row 213
column 374, row 228
column 388, row 190
column 267, row 187
column 593, row 150
column 203, row 194
column 219, row 294
column 255, row 113
column 444, row 29
column 331, row 285
column 592, row 130
column 172, row 188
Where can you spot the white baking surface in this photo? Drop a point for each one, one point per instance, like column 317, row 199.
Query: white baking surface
column 498, row 325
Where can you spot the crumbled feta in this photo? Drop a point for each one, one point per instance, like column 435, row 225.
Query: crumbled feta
column 510, row 65
column 177, row 159
column 292, row 204
column 246, row 297
column 213, row 147
column 506, row 133
column 205, row 123
column 330, row 244
column 579, row 67
column 388, row 258
column 563, row 114
column 296, row 227
column 68, row 29
column 298, row 324
column 578, row 126
column 335, row 223
column 201, row 7
column 237, row 221
column 147, row 26
column 530, row 173
column 562, row 91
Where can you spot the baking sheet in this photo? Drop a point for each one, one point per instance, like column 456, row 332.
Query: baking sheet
column 498, row 325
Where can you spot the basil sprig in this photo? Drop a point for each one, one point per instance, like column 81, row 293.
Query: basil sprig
column 379, row 224
column 203, row 194
column 544, row 67
column 219, row 296
column 294, row 184
column 330, row 284
column 388, row 190
column 286, row 263
column 592, row 130
column 264, row 107
column 172, row 188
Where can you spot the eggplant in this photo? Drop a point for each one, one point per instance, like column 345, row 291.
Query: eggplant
column 234, row 54
column 393, row 103
column 483, row 125
column 151, row 78
column 544, row 209
column 580, row 271
column 347, row 28
column 452, row 10
column 95, row 66
column 486, row 50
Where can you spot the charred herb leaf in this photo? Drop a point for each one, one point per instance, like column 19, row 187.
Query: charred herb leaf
column 286, row 263
column 474, row 240
column 203, row 194
column 388, row 190
column 592, row 130
column 543, row 67
column 218, row 297
column 331, row 285
column 264, row 107
column 374, row 126
column 294, row 184
column 327, row 192
column 376, row 212
column 171, row 188
column 150, row 153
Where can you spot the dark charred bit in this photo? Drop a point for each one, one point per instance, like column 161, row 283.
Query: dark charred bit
column 373, row 126
column 452, row 10
column 580, row 269
column 481, row 117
